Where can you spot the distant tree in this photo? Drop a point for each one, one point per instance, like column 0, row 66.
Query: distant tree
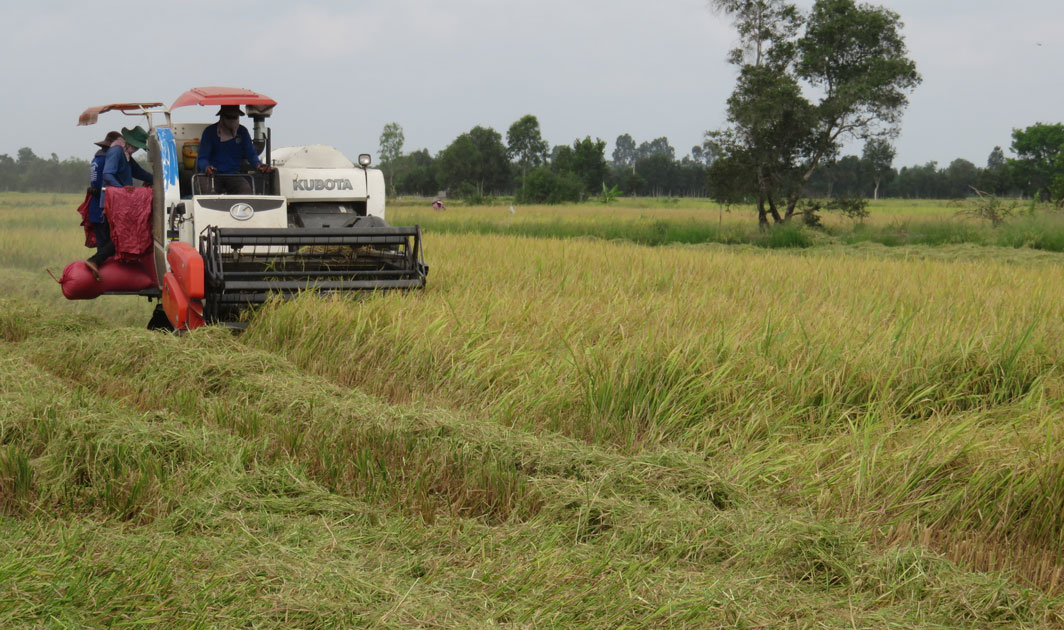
column 852, row 55
column 961, row 177
column 659, row 172
column 624, row 153
column 561, row 158
column 391, row 142
column 415, row 173
column 589, row 163
column 30, row 173
column 850, row 177
column 996, row 159
column 495, row 162
column 525, row 143
column 542, row 185
column 391, row 148
column 994, row 179
column 657, row 146
column 476, row 159
column 878, row 158
column 8, row 173
column 710, row 151
column 1038, row 159
column 920, row 182
column 690, row 178
column 457, row 163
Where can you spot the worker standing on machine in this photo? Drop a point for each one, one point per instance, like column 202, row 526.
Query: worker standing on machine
column 223, row 147
column 119, row 169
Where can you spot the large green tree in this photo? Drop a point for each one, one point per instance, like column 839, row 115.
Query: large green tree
column 476, row 159
column 851, row 56
column 525, row 143
column 624, row 151
column 1039, row 163
column 415, row 173
column 589, row 162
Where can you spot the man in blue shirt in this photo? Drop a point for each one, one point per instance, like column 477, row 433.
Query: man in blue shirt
column 96, row 176
column 222, row 149
column 119, row 169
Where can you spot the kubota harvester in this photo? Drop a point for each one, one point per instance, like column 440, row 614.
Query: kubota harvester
column 315, row 221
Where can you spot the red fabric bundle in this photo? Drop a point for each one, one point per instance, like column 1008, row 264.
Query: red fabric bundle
column 129, row 213
column 90, row 233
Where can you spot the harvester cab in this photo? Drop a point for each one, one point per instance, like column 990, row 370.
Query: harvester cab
column 313, row 221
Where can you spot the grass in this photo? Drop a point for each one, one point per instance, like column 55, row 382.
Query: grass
column 557, row 432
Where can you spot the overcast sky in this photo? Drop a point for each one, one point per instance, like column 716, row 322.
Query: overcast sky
column 341, row 70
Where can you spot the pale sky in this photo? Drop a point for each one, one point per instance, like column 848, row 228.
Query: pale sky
column 341, row 70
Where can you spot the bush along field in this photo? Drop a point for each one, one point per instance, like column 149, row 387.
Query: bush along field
column 891, row 223
column 556, row 433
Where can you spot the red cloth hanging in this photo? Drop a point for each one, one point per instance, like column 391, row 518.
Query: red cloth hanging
column 129, row 213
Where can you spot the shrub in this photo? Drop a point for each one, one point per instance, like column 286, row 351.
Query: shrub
column 544, row 186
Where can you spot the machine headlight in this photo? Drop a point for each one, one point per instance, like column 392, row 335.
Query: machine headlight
column 241, row 211
column 364, row 159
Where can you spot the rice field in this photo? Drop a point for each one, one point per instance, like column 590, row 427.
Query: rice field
column 893, row 223
column 578, row 432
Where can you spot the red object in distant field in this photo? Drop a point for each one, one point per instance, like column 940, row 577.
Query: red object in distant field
column 222, row 96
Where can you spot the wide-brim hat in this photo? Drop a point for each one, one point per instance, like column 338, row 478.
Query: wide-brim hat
column 230, row 109
column 107, row 141
column 136, row 136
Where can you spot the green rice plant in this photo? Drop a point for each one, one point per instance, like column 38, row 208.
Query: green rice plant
column 16, row 481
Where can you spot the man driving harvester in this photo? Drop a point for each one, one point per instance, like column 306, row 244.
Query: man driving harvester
column 223, row 147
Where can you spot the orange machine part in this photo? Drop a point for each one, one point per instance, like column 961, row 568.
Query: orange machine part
column 187, row 266
column 183, row 313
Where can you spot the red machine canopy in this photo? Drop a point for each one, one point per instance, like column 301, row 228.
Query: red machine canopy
column 92, row 114
column 223, row 96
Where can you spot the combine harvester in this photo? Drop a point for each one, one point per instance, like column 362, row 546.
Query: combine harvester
column 315, row 222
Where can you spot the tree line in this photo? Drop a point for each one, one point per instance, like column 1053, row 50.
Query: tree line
column 479, row 164
column 28, row 172
column 1035, row 172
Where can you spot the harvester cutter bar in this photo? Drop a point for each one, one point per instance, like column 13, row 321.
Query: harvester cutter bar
column 245, row 266
column 302, row 237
